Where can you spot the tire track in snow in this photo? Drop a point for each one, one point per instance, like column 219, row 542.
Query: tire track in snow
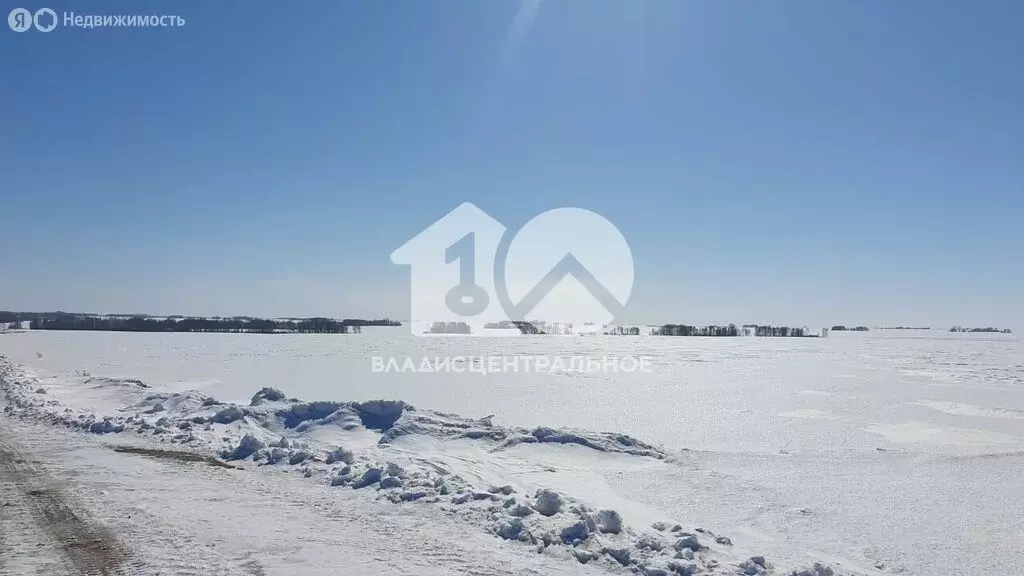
column 35, row 508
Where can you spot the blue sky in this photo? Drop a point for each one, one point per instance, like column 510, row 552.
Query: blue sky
column 789, row 162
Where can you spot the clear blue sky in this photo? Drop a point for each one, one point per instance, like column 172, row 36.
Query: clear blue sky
column 793, row 162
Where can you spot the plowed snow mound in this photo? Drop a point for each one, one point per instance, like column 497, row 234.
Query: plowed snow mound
column 397, row 453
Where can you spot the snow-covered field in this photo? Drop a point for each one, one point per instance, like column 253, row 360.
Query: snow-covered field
column 877, row 453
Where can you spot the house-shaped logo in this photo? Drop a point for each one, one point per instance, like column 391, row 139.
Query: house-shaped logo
column 568, row 265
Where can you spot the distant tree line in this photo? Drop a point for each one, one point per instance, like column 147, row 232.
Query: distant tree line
column 12, row 317
column 732, row 330
column 685, row 330
column 528, row 327
column 246, row 324
column 503, row 325
column 783, row 332
column 624, row 331
column 450, row 328
column 841, row 328
column 988, row 329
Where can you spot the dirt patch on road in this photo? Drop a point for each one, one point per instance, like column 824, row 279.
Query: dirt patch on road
column 28, row 490
column 179, row 455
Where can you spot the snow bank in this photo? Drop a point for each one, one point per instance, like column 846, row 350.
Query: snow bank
column 271, row 394
column 288, row 433
column 105, row 382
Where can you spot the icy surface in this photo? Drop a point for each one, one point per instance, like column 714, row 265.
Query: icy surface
column 861, row 451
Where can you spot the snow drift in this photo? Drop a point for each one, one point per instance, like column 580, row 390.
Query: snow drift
column 369, row 446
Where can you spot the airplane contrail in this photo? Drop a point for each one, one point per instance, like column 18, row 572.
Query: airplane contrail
column 517, row 31
column 482, row 117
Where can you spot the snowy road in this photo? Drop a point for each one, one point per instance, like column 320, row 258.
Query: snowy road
column 40, row 530
column 73, row 506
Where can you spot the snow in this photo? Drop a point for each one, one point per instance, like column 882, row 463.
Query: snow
column 399, row 474
column 184, row 520
column 858, row 451
column 548, row 503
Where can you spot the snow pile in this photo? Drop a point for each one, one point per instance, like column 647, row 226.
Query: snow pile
column 271, row 394
column 175, row 405
column 292, row 434
column 451, row 426
column 125, row 382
